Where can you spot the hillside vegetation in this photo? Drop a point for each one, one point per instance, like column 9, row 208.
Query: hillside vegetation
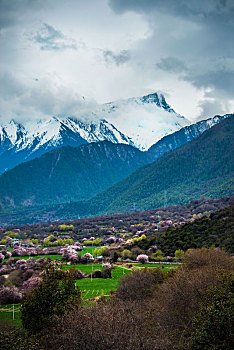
column 216, row 230
column 202, row 167
column 68, row 174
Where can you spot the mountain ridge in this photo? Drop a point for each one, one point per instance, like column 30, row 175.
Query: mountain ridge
column 202, row 167
column 146, row 118
column 66, row 174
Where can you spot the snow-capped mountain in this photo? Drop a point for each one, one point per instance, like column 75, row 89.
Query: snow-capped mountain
column 139, row 122
column 145, row 119
column 20, row 143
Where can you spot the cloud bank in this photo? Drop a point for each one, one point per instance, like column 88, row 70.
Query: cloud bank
column 54, row 52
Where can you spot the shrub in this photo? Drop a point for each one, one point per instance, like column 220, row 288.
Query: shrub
column 114, row 325
column 78, row 275
column 15, row 338
column 27, row 274
column 138, row 285
column 114, row 256
column 16, row 278
column 135, row 252
column 178, row 298
column 179, row 254
column 10, row 295
column 97, row 274
column 86, row 258
column 4, row 270
column 213, row 257
column 30, row 284
column 126, row 254
column 106, row 270
column 51, row 298
column 214, row 323
column 142, row 258
column 2, row 280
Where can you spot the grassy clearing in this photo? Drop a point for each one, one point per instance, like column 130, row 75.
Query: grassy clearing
column 87, row 250
column 6, row 314
column 52, row 257
column 157, row 265
column 166, row 267
column 86, row 268
column 89, row 288
column 100, row 286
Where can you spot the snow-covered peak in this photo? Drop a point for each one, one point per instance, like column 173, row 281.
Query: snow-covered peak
column 144, row 119
column 11, row 132
column 19, row 143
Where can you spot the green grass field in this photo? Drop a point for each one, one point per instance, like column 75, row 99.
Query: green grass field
column 97, row 286
column 6, row 314
column 100, row 286
column 52, row 257
column 156, row 265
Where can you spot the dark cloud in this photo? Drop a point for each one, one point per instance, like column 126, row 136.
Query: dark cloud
column 51, row 39
column 41, row 97
column 192, row 40
column 221, row 80
column 12, row 11
column 117, row 59
column 191, row 8
column 171, row 64
column 211, row 108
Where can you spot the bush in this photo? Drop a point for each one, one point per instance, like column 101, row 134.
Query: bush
column 213, row 257
column 15, row 338
column 214, row 323
column 51, row 298
column 139, row 285
column 27, row 274
column 10, row 295
column 30, row 284
column 178, row 298
column 113, row 324
column 2, row 280
column 77, row 274
column 87, row 258
column 97, row 274
column 16, row 278
column 142, row 258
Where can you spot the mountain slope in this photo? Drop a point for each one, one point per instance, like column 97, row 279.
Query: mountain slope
column 202, row 167
column 215, row 230
column 68, row 174
column 20, row 143
column 183, row 136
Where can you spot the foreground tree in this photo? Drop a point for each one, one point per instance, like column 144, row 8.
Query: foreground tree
column 214, row 323
column 56, row 294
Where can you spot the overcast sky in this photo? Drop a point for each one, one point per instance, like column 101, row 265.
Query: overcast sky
column 54, row 52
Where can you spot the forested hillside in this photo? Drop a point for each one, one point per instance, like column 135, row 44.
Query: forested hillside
column 68, row 174
column 202, row 167
column 216, row 230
